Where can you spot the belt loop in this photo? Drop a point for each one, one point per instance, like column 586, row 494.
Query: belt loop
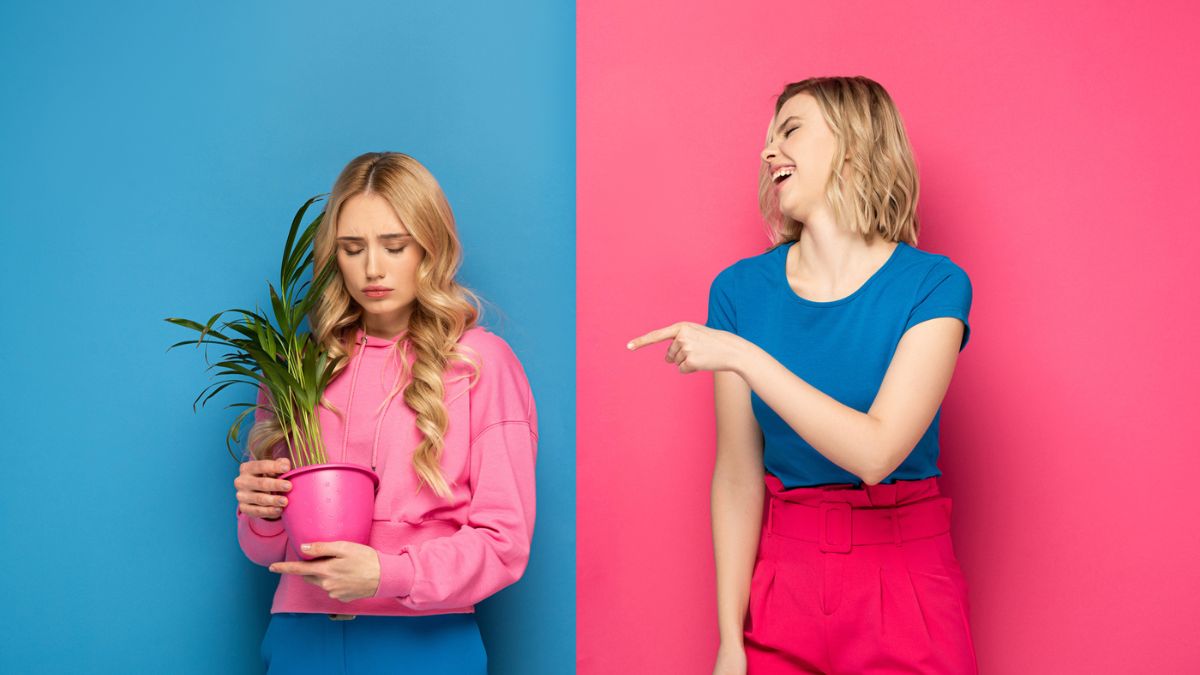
column 770, row 514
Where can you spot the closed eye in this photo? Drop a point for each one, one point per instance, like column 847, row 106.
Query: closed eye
column 390, row 250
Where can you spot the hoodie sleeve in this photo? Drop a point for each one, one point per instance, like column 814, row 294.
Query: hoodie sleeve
column 263, row 541
column 491, row 549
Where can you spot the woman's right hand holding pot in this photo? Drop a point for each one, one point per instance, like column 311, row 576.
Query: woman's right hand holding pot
column 255, row 486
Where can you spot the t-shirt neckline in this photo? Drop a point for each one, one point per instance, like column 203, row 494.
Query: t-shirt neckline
column 857, row 292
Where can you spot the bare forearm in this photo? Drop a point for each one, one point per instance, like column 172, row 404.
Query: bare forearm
column 737, row 500
column 847, row 437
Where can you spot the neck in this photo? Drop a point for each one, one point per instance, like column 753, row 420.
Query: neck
column 387, row 328
column 828, row 255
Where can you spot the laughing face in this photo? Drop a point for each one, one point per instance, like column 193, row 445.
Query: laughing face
column 378, row 258
column 800, row 152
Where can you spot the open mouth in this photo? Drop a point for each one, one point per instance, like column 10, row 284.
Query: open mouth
column 782, row 174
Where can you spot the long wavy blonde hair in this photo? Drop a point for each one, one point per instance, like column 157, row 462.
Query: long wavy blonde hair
column 443, row 309
column 878, row 193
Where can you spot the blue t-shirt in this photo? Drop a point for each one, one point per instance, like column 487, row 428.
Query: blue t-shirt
column 842, row 348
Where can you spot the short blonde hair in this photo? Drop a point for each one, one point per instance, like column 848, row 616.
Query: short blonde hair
column 879, row 193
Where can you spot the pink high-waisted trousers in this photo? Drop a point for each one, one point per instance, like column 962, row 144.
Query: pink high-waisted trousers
column 858, row 579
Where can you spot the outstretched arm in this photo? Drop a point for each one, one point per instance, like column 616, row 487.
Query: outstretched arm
column 869, row 445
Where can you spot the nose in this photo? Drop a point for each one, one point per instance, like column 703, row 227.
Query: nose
column 373, row 266
column 768, row 152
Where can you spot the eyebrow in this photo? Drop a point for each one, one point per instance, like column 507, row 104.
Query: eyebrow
column 393, row 236
column 783, row 123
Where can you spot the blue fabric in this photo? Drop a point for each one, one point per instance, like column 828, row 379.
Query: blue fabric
column 447, row 644
column 842, row 347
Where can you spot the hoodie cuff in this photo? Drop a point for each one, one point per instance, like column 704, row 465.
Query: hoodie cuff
column 262, row 527
column 395, row 575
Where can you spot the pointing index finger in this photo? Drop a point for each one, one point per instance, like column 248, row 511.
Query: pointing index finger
column 653, row 336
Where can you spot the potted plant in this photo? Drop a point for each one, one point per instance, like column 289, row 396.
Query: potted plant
column 327, row 502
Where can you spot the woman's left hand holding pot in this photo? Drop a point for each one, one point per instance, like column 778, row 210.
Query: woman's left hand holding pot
column 346, row 570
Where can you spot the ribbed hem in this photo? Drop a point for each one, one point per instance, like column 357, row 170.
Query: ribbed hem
column 395, row 575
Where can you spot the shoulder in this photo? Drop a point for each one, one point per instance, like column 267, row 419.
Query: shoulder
column 492, row 354
column 749, row 269
column 939, row 287
column 934, row 268
column 485, row 342
column 501, row 390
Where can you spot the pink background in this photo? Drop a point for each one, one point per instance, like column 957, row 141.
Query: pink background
column 1058, row 150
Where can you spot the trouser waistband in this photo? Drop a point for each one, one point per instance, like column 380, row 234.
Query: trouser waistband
column 837, row 519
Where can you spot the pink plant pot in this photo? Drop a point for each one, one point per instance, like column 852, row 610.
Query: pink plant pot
column 329, row 502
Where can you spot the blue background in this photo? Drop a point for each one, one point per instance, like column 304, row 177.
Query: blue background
column 152, row 159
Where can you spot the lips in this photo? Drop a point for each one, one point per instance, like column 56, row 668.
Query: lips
column 376, row 291
column 781, row 174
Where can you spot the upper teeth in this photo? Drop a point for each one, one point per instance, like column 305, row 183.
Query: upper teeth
column 785, row 171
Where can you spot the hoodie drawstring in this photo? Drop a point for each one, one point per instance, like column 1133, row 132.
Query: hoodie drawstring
column 350, row 403
column 350, row 406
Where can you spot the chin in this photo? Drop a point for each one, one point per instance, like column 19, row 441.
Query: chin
column 795, row 214
column 788, row 208
column 380, row 310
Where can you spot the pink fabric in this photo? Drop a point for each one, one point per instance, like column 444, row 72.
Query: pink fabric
column 844, row 607
column 436, row 555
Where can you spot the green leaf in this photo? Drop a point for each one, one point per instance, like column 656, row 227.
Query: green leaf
column 204, row 330
column 235, row 432
column 287, row 248
column 327, row 375
column 223, row 385
column 185, row 342
column 270, row 345
column 282, row 313
column 295, row 266
column 321, row 281
column 208, row 326
column 271, row 352
column 250, row 316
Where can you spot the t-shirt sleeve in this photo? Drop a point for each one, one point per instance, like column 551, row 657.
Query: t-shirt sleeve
column 945, row 291
column 721, row 312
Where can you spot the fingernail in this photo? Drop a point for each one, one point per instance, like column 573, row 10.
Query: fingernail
column 282, row 501
column 287, row 486
column 305, row 547
column 628, row 345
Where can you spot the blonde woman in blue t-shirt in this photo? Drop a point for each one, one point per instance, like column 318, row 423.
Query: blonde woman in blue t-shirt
column 831, row 353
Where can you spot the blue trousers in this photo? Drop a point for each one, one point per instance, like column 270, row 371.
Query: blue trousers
column 446, row 644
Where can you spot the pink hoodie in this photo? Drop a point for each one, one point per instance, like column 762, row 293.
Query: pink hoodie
column 436, row 556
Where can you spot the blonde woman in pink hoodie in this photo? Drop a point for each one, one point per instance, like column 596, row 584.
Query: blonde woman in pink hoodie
column 437, row 406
